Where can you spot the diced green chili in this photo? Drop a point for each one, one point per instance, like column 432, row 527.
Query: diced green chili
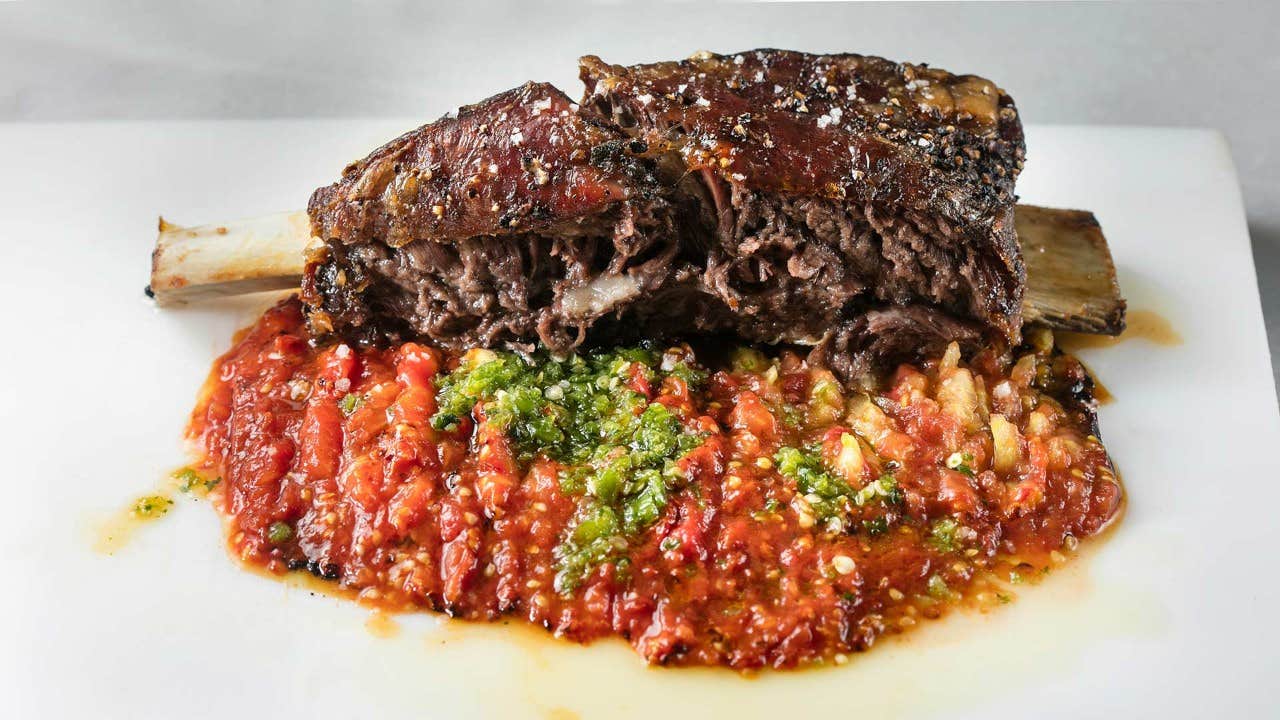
column 350, row 403
column 942, row 535
column 279, row 532
column 828, row 495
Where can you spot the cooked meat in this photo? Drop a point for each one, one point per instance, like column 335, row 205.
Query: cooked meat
column 843, row 184
column 842, row 201
column 857, row 347
column 518, row 220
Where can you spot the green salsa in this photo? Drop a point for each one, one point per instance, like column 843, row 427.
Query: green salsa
column 830, row 498
column 619, row 449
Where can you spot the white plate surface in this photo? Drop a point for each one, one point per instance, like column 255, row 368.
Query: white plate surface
column 1173, row 616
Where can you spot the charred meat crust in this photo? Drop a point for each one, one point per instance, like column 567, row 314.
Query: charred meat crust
column 523, row 160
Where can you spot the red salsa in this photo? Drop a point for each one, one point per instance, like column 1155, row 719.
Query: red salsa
column 750, row 513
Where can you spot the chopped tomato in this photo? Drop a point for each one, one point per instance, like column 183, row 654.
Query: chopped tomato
column 755, row 531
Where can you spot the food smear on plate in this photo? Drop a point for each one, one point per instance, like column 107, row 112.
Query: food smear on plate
column 118, row 529
column 713, row 507
column 1145, row 325
column 382, row 625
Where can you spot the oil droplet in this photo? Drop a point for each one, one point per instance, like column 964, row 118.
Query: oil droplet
column 562, row 714
column 382, row 625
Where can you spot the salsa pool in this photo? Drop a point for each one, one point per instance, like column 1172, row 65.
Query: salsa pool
column 753, row 513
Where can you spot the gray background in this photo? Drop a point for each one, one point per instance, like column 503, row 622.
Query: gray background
column 1185, row 64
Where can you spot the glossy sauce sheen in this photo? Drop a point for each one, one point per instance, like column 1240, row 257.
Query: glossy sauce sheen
column 839, row 125
column 733, row 573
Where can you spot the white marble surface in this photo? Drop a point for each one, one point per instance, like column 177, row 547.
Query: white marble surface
column 1180, row 64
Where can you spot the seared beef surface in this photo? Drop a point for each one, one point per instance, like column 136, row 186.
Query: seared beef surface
column 518, row 220
column 847, row 202
column 842, row 182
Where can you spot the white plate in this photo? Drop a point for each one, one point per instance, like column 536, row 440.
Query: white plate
column 1174, row 616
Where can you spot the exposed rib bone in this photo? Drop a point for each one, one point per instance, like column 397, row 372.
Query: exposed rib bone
column 1071, row 279
column 236, row 258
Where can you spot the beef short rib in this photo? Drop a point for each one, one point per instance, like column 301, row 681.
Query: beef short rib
column 844, row 185
column 842, row 201
column 518, row 220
